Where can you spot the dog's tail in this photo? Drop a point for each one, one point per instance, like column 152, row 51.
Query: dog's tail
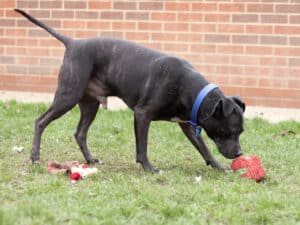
column 65, row 40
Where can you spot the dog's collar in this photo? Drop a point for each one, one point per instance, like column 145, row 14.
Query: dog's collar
column 196, row 106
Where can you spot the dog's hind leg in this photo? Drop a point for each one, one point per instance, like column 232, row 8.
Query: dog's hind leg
column 72, row 82
column 88, row 108
column 200, row 146
column 54, row 112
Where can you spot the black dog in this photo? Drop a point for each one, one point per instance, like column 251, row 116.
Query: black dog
column 154, row 85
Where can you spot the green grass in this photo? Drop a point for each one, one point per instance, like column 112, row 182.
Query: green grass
column 121, row 193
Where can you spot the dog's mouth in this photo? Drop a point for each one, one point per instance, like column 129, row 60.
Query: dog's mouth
column 231, row 153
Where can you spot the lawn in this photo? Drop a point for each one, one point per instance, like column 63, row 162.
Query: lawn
column 122, row 193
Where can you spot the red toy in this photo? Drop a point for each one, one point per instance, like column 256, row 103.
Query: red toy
column 251, row 166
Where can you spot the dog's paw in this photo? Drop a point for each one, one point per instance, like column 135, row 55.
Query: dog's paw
column 36, row 162
column 95, row 161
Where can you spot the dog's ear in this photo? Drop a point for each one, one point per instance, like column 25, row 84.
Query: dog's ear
column 239, row 102
column 223, row 108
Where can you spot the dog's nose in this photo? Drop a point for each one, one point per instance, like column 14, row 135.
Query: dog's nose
column 239, row 153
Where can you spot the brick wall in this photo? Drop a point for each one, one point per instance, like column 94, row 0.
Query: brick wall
column 249, row 48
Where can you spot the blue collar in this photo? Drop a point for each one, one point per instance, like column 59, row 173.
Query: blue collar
column 196, row 106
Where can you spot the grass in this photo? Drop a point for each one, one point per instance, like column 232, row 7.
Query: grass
column 121, row 193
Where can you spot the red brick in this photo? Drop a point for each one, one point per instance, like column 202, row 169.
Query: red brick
column 15, row 32
column 231, row 28
column 295, row 41
column 245, row 60
column 149, row 26
column 163, row 16
column 86, row 15
column 295, row 62
column 190, row 17
column 7, row 60
column 274, row 19
column 26, row 42
column 217, row 38
column 232, row 7
column 229, row 69
column 75, row 4
column 217, row 59
column 14, row 69
column 7, row 41
column 38, row 33
column 151, row 6
column 243, row 81
column 287, row 51
column 293, row 84
column 7, row 4
column 38, row 51
column 63, row 14
column 203, row 27
column 28, row 60
column 235, row 50
column 124, row 25
column 49, row 42
column 275, row 1
column 98, row 25
column 112, row 15
column 16, row 51
column 258, row 8
column 137, row 15
column 11, row 13
column 272, row 61
column 189, row 37
column 290, row 8
column 162, row 36
column 74, row 24
column 222, row 18
column 259, row 29
column 125, row 5
column 50, row 61
column 244, row 39
column 7, row 22
column 86, row 34
column 39, row 70
column 295, row 19
column 177, row 6
column 51, row 4
column 244, row 18
column 175, row 47
column 273, row 40
column 112, row 34
column 137, row 36
column 203, row 48
column 176, row 27
column 27, row 4
column 100, row 5
column 258, row 50
column 288, row 30
column 205, row 7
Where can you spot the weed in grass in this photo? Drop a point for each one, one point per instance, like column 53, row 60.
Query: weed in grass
column 121, row 193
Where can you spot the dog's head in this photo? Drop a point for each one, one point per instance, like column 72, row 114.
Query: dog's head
column 224, row 124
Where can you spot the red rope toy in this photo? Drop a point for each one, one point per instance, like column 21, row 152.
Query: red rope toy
column 251, row 166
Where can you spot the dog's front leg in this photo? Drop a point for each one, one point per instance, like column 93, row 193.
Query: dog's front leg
column 200, row 146
column 141, row 127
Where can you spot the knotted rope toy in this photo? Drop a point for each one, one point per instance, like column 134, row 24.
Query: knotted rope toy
column 249, row 167
column 75, row 170
column 81, row 172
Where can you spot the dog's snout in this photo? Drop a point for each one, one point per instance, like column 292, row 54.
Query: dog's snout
column 239, row 153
